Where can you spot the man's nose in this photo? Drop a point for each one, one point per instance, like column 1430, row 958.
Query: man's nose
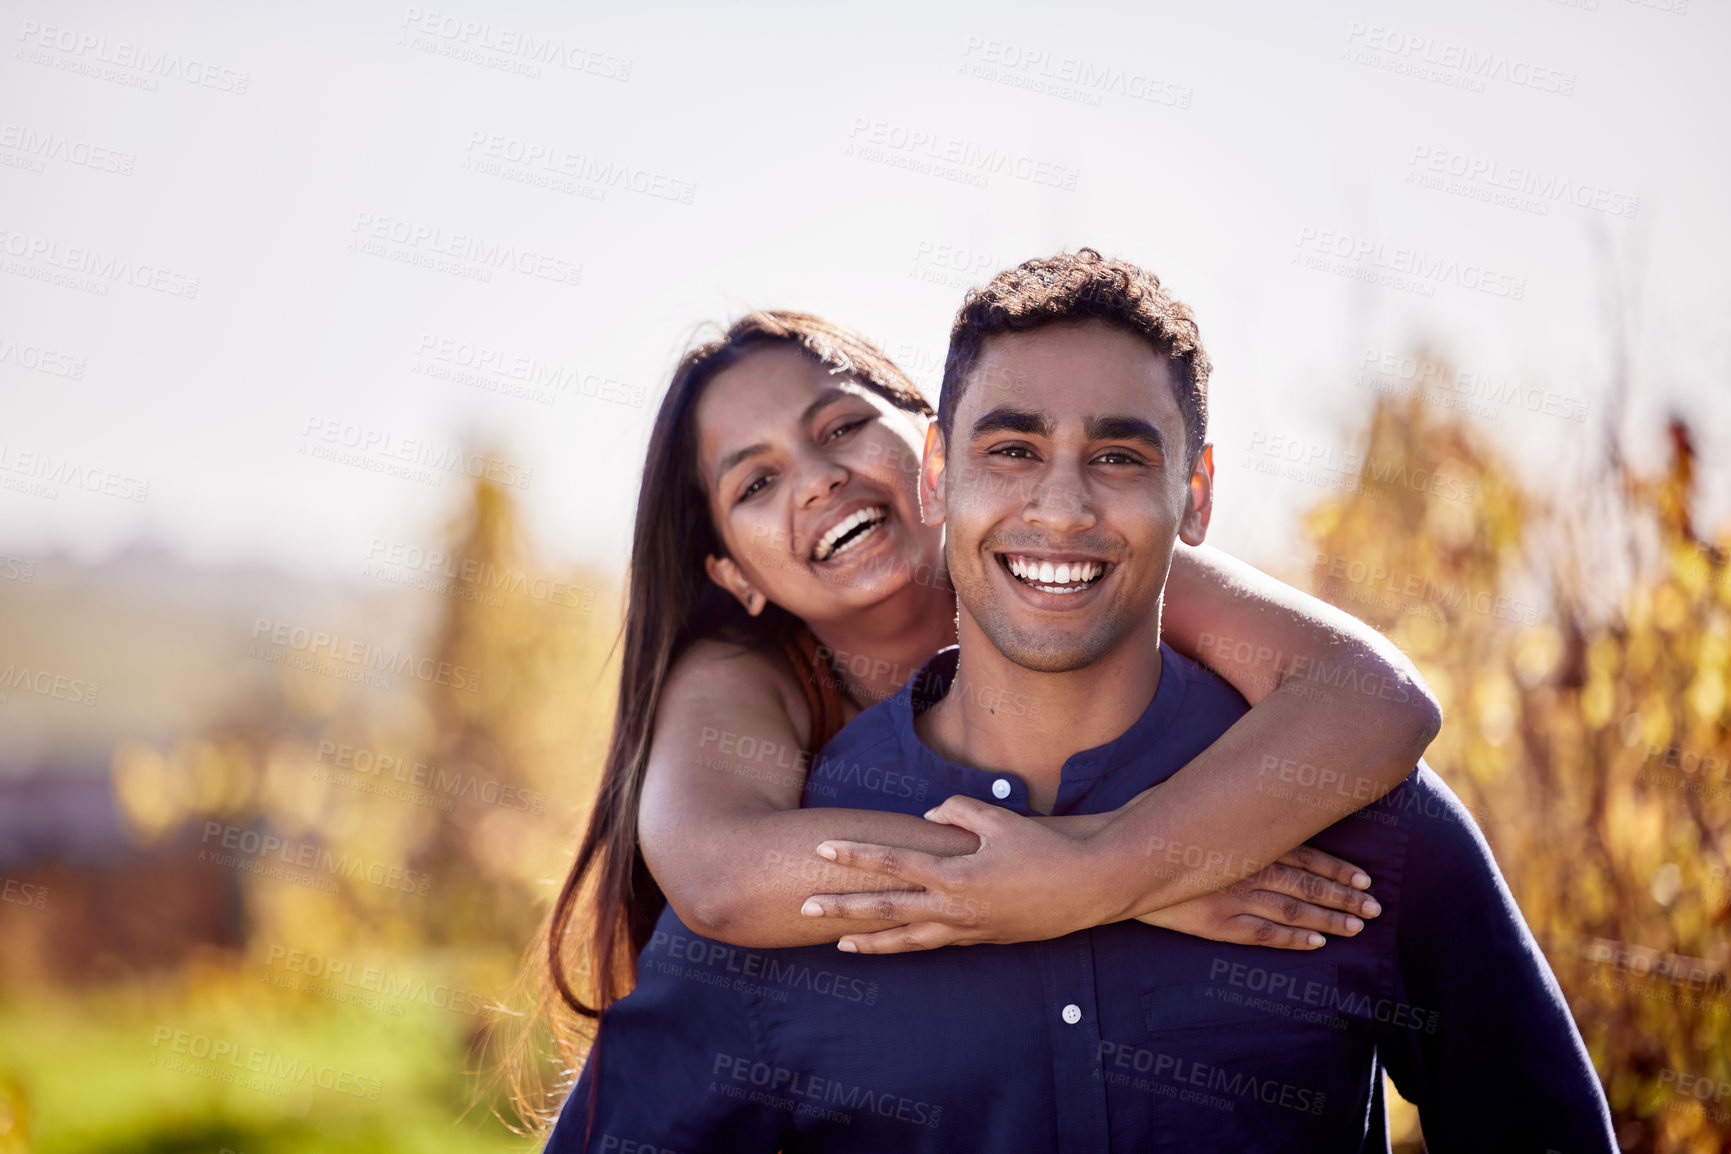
column 1058, row 501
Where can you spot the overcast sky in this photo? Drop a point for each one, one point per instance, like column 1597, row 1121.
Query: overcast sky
column 238, row 240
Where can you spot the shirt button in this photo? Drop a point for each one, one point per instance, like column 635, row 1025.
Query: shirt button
column 1001, row 788
column 1072, row 1013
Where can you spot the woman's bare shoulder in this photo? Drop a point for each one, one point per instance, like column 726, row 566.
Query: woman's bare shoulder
column 713, row 671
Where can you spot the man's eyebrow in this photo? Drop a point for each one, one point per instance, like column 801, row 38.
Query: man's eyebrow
column 1007, row 419
column 1124, row 429
column 819, row 403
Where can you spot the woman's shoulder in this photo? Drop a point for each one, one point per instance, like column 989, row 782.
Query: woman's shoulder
column 752, row 676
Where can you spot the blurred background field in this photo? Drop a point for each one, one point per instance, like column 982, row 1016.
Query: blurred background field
column 174, row 981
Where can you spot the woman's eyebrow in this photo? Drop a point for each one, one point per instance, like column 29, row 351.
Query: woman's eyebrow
column 818, row 404
column 729, row 460
column 824, row 399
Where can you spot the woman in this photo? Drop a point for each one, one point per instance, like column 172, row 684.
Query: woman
column 761, row 616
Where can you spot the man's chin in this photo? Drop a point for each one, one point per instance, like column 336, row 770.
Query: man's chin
column 1047, row 650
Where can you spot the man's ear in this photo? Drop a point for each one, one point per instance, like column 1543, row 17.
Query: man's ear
column 726, row 574
column 932, row 509
column 1194, row 525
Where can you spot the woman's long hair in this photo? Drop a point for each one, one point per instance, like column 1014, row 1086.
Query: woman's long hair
column 609, row 902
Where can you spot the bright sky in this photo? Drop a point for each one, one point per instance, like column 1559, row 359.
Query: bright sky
column 384, row 208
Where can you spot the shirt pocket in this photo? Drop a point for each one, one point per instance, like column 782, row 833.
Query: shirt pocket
column 1247, row 1062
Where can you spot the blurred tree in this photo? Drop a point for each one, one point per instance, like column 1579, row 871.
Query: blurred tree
column 1581, row 647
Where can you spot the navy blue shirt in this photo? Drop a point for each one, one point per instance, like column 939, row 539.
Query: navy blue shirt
column 1123, row 1037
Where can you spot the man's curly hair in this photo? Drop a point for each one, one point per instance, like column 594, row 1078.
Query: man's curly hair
column 1073, row 287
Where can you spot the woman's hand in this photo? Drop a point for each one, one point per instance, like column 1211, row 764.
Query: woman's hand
column 1262, row 910
column 1034, row 879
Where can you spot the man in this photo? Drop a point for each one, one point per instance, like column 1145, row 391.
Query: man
column 1068, row 458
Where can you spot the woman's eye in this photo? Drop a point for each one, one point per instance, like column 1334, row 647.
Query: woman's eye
column 844, row 429
column 753, row 488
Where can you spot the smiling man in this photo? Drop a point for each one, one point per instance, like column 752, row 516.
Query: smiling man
column 1068, row 459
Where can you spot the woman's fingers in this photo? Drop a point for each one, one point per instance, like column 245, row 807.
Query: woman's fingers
column 897, row 906
column 900, row 939
column 1300, row 883
column 1307, row 857
column 1250, row 930
column 907, row 864
column 1286, row 910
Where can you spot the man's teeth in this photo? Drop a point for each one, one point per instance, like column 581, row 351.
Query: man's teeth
column 1062, row 578
column 826, row 545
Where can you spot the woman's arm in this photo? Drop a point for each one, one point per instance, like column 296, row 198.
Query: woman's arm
column 1339, row 717
column 722, row 830
column 720, row 822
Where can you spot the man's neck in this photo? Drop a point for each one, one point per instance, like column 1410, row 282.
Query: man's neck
column 1001, row 716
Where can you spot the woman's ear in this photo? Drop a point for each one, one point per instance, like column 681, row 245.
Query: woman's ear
column 1193, row 526
column 726, row 574
column 932, row 478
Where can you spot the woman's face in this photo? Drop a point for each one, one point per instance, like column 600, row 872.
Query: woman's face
column 813, row 487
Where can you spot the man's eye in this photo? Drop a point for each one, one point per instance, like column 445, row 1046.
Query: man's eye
column 1118, row 457
column 1016, row 451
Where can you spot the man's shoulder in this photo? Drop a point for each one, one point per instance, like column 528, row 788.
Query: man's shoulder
column 872, row 733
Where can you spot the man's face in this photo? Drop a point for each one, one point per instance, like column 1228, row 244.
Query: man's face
column 1062, row 489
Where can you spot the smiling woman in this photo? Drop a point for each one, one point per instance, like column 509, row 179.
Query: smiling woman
column 779, row 525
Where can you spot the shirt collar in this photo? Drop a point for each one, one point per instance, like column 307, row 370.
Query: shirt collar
column 933, row 680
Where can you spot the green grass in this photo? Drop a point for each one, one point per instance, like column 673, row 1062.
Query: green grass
column 96, row 1073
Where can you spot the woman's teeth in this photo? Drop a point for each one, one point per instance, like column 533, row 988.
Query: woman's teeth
column 1071, row 577
column 861, row 525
